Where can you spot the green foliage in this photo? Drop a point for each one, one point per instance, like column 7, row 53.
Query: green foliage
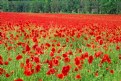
column 109, row 6
column 66, row 6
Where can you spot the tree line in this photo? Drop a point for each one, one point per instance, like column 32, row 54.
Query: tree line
column 62, row 6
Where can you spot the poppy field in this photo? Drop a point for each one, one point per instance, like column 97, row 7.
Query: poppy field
column 60, row 47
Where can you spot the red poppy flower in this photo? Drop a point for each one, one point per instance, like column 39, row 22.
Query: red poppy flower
column 85, row 38
column 55, row 62
column 27, row 61
column 77, row 61
column 37, row 68
column 20, row 43
column 7, row 75
column 98, row 37
column 98, row 54
column 67, row 39
column 80, row 50
column 1, row 60
column 53, row 50
column 27, row 48
column 18, row 57
column 90, row 59
column 36, row 59
column 76, row 69
column 6, row 62
column 35, row 39
column 106, row 58
column 78, row 76
column 51, row 54
column 112, row 71
column 58, row 57
column 9, row 59
column 88, row 45
column 2, row 71
column 78, row 35
column 40, row 79
column 9, row 48
column 39, row 50
column 50, row 63
column 65, row 70
column 47, row 44
column 70, row 52
column 51, row 71
column 117, row 48
column 58, row 44
column 59, row 50
column 28, row 72
column 96, row 73
column 61, row 76
column 67, row 59
column 65, row 55
column 120, row 56
column 101, row 42
column 1, row 42
column 86, row 54
column 18, row 79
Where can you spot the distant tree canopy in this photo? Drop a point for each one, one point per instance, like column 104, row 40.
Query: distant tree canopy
column 62, row 6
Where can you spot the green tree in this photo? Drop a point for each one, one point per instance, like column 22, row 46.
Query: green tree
column 108, row 6
column 4, row 5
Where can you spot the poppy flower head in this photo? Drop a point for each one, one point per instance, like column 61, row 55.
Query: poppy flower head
column 37, row 68
column 2, row 71
column 78, row 76
column 98, row 54
column 18, row 79
column 7, row 75
column 112, row 71
column 53, row 50
column 27, row 48
column 96, row 73
column 18, row 57
column 28, row 72
column 77, row 61
column 1, row 60
column 106, row 58
column 51, row 71
column 101, row 42
column 60, row 76
column 40, row 79
column 51, row 54
column 6, row 62
column 36, row 59
column 117, row 48
column 66, row 59
column 55, row 62
column 65, row 70
column 120, row 56
column 90, row 59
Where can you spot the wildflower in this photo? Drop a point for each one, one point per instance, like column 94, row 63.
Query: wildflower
column 78, row 76
column 65, row 70
column 37, row 68
column 18, row 57
column 18, row 79
column 112, row 71
column 106, row 58
column 51, row 71
column 90, row 59
column 27, row 48
column 61, row 76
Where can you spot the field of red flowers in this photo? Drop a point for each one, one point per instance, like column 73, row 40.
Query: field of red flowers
column 60, row 47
